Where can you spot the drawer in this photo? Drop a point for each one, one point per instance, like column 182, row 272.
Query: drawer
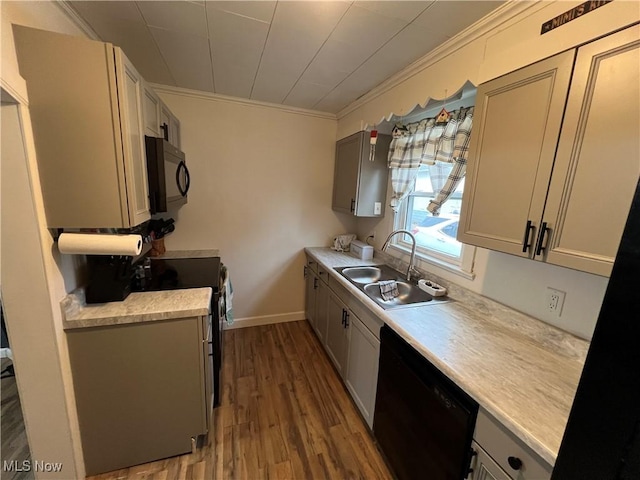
column 312, row 264
column 322, row 274
column 501, row 444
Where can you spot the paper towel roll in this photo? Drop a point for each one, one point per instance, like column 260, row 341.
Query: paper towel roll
column 97, row 244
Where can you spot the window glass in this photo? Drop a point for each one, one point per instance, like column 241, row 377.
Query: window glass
column 434, row 235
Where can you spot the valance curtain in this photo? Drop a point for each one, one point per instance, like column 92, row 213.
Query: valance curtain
column 427, row 143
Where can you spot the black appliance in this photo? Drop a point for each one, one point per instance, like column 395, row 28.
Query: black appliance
column 175, row 273
column 169, row 179
column 423, row 422
column 602, row 438
column 109, row 278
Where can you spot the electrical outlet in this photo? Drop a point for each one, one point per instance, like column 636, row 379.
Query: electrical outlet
column 377, row 208
column 554, row 301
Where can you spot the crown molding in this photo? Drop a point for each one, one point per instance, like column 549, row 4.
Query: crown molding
column 77, row 20
column 185, row 92
column 490, row 22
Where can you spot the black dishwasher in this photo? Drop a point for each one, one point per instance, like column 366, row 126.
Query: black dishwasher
column 423, row 422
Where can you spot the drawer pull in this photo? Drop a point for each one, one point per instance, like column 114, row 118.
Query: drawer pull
column 515, row 463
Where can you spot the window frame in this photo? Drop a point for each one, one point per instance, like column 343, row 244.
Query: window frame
column 462, row 265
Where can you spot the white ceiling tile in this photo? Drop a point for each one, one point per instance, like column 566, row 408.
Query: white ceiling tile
column 364, row 27
column 258, row 10
column 403, row 10
column 335, row 101
column 451, row 17
column 122, row 24
column 236, row 44
column 306, row 94
column 272, row 86
column 186, row 17
column 188, row 58
column 98, row 12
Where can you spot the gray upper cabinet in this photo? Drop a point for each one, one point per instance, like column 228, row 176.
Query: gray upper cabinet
column 552, row 189
column 359, row 185
column 85, row 103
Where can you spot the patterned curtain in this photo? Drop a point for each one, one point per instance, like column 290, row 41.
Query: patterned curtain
column 426, row 143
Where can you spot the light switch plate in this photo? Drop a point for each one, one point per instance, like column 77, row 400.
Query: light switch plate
column 377, row 208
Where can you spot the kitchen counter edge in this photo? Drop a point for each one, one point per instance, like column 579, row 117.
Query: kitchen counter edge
column 136, row 308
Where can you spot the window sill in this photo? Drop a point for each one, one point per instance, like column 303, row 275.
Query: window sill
column 428, row 260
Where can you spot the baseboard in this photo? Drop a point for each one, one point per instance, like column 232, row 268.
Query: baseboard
column 265, row 320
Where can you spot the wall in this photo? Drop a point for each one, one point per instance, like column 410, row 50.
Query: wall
column 34, row 276
column 261, row 188
column 499, row 43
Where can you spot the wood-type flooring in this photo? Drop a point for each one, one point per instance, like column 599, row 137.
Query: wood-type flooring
column 285, row 414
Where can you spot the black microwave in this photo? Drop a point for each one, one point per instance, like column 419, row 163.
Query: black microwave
column 168, row 175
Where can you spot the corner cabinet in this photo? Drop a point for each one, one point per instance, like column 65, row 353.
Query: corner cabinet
column 554, row 156
column 86, row 108
column 359, row 185
column 136, row 403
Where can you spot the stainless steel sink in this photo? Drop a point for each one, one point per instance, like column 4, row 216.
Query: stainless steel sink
column 408, row 295
column 367, row 279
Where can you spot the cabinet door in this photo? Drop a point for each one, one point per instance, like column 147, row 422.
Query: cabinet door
column 151, row 109
column 174, row 132
column 322, row 294
column 362, row 368
column 337, row 341
column 311, row 285
column 484, row 468
column 515, row 134
column 598, row 161
column 135, row 163
column 345, row 182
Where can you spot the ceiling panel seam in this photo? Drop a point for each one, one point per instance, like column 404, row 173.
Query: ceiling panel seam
column 264, row 46
column 213, row 72
column 317, row 52
column 153, row 38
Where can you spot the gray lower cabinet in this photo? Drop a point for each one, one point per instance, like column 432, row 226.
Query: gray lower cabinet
column 484, row 468
column 362, row 368
column 140, row 390
column 349, row 333
column 337, row 341
column 499, row 455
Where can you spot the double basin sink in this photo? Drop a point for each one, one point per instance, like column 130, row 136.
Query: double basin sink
column 367, row 280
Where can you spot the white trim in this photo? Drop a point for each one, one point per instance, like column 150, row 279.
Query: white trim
column 78, row 21
column 12, row 92
column 6, row 353
column 185, row 92
column 265, row 320
column 466, row 259
column 487, row 24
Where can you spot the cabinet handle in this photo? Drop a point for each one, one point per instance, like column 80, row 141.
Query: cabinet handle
column 344, row 315
column 353, row 204
column 515, row 463
column 315, row 283
column 472, row 454
column 346, row 319
column 527, row 231
column 165, row 131
column 304, row 271
column 539, row 247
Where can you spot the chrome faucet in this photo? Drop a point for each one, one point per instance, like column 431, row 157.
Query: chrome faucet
column 412, row 259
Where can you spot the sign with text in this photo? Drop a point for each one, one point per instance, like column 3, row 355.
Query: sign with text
column 571, row 15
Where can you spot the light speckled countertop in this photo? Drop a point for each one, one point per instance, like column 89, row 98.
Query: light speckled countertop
column 522, row 371
column 137, row 307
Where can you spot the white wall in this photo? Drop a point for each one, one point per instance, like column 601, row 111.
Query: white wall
column 499, row 44
column 261, row 187
column 34, row 276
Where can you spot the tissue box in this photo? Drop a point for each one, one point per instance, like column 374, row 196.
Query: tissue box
column 361, row 250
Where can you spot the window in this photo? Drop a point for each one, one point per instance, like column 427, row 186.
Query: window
column 435, row 236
